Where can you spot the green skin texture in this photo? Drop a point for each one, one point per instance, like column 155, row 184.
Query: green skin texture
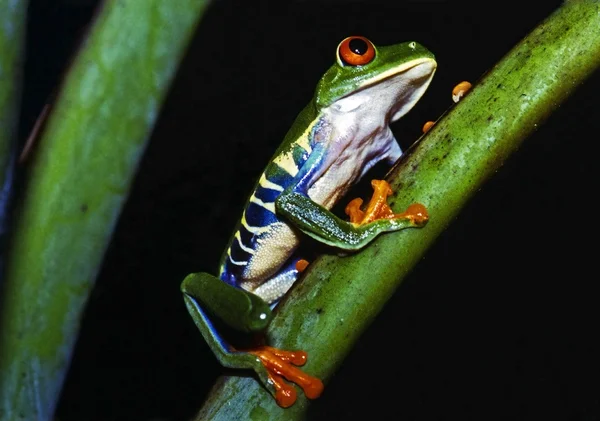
column 243, row 310
column 339, row 297
column 77, row 183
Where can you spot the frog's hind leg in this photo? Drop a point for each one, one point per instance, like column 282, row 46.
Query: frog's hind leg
column 205, row 294
column 282, row 363
column 277, row 286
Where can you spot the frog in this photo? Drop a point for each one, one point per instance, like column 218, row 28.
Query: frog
column 336, row 139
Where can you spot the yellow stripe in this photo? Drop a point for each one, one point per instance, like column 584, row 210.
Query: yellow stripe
column 242, row 246
column 394, row 70
column 285, row 161
column 270, row 206
column 266, row 184
column 303, row 141
column 235, row 262
column 250, row 228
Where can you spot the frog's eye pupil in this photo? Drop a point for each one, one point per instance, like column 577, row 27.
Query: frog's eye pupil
column 358, row 46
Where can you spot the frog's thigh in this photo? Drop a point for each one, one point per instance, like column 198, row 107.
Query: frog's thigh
column 273, row 248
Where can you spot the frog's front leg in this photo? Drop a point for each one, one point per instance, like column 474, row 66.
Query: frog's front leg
column 207, row 296
column 364, row 226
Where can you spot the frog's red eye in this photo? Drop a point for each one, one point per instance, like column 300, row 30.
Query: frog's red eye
column 356, row 51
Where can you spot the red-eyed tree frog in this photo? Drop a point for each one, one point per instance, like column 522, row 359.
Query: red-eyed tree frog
column 334, row 141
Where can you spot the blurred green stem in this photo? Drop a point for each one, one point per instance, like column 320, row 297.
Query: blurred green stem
column 339, row 297
column 12, row 40
column 77, row 184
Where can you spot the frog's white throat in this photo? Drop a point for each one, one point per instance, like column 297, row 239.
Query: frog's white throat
column 391, row 94
column 359, row 133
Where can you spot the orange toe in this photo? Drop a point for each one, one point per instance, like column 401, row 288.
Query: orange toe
column 280, row 363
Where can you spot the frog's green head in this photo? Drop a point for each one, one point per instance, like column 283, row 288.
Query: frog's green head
column 364, row 72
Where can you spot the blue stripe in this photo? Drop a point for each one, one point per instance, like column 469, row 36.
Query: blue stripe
column 247, row 237
column 266, row 195
column 237, row 253
column 230, row 273
column 212, row 331
column 276, row 175
column 257, row 216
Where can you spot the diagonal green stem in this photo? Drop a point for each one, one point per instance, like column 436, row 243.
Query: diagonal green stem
column 78, row 182
column 12, row 39
column 339, row 297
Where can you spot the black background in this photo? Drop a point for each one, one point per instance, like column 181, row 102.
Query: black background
column 499, row 320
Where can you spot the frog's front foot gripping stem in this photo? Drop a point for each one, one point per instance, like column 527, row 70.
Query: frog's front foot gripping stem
column 377, row 208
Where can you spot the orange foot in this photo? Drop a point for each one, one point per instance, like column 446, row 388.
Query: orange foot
column 377, row 208
column 281, row 364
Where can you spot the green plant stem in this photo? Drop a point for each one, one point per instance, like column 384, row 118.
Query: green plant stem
column 339, row 297
column 79, row 180
column 12, row 37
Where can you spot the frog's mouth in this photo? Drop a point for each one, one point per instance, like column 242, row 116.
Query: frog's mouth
column 418, row 68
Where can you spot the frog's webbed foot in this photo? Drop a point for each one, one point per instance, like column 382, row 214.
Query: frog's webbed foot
column 279, row 364
column 378, row 208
